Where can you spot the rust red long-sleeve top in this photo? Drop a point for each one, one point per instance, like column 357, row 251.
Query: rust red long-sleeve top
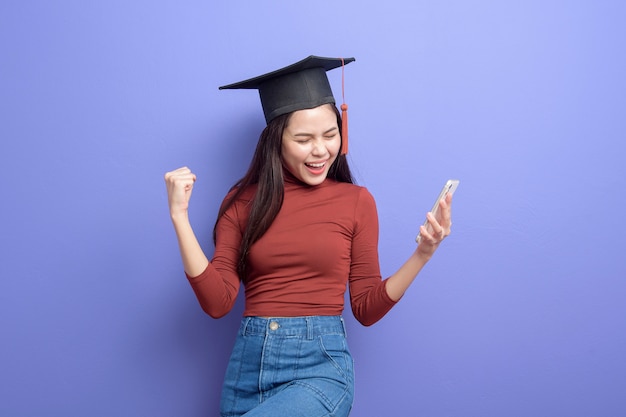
column 324, row 237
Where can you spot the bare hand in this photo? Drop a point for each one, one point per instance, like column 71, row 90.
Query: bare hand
column 179, row 185
column 440, row 227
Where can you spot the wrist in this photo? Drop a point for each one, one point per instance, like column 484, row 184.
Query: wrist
column 179, row 217
column 422, row 256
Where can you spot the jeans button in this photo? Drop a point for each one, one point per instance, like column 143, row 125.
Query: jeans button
column 274, row 326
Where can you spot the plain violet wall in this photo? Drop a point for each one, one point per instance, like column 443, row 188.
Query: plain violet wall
column 521, row 313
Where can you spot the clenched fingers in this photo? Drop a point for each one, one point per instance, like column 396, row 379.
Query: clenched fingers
column 179, row 183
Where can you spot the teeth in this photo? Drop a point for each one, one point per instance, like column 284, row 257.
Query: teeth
column 316, row 165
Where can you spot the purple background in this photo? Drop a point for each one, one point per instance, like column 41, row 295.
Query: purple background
column 521, row 313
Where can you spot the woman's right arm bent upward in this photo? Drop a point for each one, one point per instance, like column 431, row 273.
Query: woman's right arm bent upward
column 215, row 283
column 179, row 185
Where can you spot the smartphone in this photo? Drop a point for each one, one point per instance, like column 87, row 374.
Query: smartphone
column 448, row 188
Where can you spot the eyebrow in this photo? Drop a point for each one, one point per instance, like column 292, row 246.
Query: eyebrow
column 303, row 134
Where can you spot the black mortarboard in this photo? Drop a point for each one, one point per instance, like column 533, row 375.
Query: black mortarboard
column 303, row 85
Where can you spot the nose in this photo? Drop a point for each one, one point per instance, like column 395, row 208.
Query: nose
column 319, row 148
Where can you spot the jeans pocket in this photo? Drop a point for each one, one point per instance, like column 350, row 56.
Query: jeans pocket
column 335, row 349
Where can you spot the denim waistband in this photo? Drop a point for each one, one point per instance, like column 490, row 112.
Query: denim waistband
column 306, row 326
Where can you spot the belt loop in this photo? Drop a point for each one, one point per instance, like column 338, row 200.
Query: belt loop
column 343, row 324
column 309, row 328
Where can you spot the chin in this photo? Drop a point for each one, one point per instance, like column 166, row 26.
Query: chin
column 313, row 182
column 317, row 180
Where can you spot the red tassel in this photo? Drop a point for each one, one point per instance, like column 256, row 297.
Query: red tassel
column 344, row 129
column 344, row 113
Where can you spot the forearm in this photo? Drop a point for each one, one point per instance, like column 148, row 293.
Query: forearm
column 397, row 284
column 193, row 257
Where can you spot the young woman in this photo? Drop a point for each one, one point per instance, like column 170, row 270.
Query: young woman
column 295, row 231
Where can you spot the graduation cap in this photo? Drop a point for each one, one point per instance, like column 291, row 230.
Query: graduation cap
column 303, row 85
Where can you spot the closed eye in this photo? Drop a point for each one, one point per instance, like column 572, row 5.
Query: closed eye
column 303, row 138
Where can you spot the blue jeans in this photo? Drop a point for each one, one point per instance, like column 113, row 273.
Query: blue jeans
column 292, row 367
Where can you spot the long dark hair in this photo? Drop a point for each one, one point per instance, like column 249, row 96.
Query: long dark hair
column 266, row 170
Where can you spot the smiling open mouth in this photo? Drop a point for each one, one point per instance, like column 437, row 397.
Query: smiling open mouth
column 316, row 166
